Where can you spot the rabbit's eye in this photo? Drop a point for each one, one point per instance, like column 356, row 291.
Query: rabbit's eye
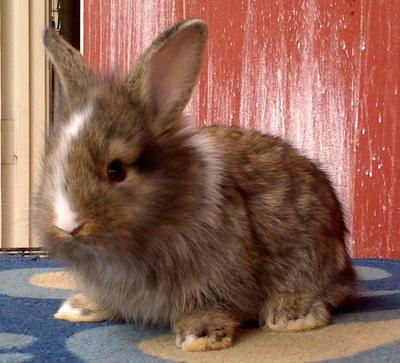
column 116, row 171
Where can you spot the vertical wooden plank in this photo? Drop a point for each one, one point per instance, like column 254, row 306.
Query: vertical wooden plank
column 7, row 120
column 23, row 113
column 38, row 92
column 1, row 156
column 377, row 172
column 21, row 125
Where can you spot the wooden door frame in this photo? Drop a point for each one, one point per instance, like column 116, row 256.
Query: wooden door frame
column 24, row 115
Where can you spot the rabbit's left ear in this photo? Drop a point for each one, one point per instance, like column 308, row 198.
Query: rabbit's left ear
column 167, row 72
column 75, row 75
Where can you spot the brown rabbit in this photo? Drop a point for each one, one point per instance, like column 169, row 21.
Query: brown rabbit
column 200, row 229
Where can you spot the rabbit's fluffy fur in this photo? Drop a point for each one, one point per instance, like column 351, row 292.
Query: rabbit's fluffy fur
column 207, row 229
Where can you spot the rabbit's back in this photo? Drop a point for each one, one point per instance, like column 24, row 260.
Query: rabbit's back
column 296, row 219
column 270, row 172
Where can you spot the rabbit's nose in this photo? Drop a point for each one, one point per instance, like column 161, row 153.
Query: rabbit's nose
column 66, row 218
column 69, row 223
column 76, row 230
column 72, row 230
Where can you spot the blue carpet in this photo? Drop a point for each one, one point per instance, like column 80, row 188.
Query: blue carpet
column 28, row 333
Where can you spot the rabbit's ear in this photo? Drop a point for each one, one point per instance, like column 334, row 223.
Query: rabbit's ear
column 75, row 75
column 167, row 72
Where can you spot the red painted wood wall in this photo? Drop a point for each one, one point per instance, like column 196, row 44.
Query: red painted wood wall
column 323, row 74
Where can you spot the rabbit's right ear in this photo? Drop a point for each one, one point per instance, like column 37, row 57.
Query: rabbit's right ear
column 75, row 75
column 166, row 73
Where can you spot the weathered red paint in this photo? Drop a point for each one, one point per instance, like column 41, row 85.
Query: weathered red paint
column 377, row 135
column 318, row 73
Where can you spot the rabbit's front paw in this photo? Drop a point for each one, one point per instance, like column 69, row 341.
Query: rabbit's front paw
column 204, row 331
column 80, row 309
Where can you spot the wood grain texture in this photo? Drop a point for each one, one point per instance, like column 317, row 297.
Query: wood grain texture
column 377, row 133
column 300, row 69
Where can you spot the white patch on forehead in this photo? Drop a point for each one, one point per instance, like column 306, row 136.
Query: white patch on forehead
column 65, row 217
column 78, row 120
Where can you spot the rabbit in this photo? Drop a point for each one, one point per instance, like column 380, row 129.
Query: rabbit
column 198, row 229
